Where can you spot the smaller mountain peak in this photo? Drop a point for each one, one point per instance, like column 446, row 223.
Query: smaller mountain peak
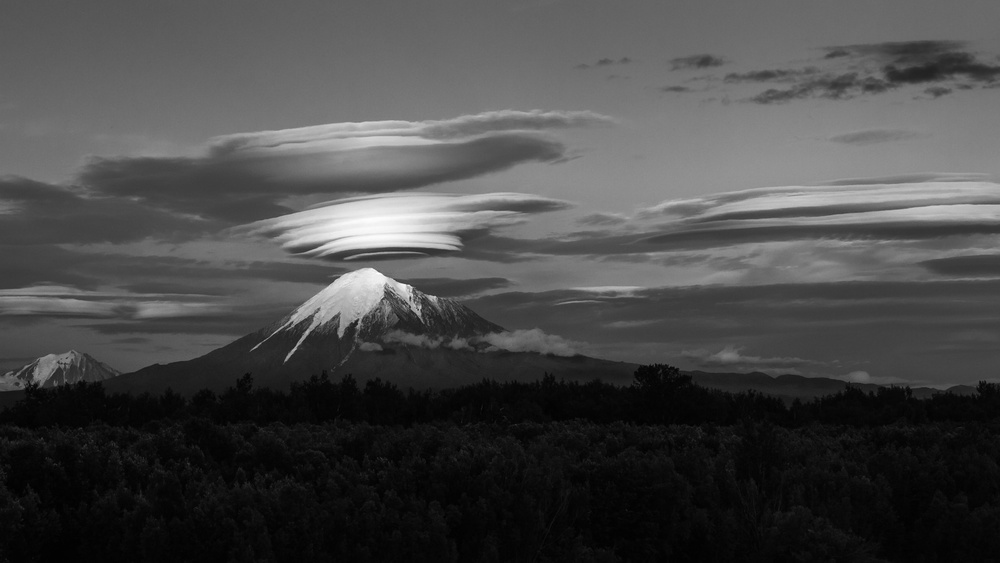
column 58, row 369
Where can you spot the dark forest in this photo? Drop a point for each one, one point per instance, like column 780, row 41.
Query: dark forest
column 662, row 470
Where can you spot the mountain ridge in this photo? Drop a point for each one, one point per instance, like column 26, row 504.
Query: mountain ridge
column 789, row 387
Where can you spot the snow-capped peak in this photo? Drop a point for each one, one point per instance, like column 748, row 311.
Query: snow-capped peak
column 57, row 369
column 348, row 300
column 46, row 365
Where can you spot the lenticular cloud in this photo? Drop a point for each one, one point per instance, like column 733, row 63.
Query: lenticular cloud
column 398, row 225
column 887, row 211
column 247, row 176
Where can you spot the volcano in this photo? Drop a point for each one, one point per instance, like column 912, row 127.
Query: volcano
column 369, row 325
column 365, row 306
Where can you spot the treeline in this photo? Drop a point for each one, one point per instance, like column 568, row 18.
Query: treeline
column 660, row 394
column 192, row 490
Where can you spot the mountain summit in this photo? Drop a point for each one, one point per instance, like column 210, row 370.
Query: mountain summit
column 57, row 369
column 369, row 325
column 369, row 305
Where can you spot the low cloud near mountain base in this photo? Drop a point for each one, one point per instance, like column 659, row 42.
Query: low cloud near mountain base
column 533, row 340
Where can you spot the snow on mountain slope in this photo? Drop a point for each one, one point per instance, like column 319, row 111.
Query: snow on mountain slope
column 375, row 304
column 349, row 299
column 57, row 369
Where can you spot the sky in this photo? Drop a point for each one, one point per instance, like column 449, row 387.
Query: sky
column 781, row 186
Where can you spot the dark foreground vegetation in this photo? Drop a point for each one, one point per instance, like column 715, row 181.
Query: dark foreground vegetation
column 549, row 471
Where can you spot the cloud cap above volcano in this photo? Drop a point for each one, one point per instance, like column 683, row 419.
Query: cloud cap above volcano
column 394, row 225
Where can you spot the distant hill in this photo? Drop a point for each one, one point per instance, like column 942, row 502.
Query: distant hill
column 790, row 387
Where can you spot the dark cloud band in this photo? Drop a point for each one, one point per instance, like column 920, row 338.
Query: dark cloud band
column 37, row 213
column 696, row 61
column 874, row 136
column 850, row 71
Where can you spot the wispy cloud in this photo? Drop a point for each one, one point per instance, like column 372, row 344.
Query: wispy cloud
column 732, row 357
column 931, row 68
column 917, row 178
column 875, row 136
column 874, row 68
column 830, row 86
column 531, row 340
column 772, row 75
column 35, row 213
column 59, row 301
column 603, row 219
column 704, row 60
column 87, row 269
column 605, row 62
column 448, row 287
